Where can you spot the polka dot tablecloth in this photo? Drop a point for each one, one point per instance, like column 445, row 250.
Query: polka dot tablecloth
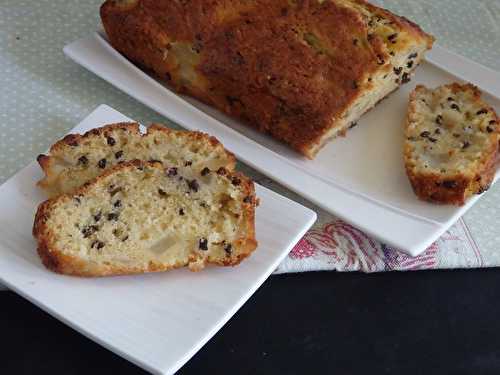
column 43, row 95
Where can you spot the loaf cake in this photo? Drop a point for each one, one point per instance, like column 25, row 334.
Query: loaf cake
column 303, row 71
column 452, row 140
column 145, row 217
column 77, row 159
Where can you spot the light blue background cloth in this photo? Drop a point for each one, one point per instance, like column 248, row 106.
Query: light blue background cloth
column 43, row 94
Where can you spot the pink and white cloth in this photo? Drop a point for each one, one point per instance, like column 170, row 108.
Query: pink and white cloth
column 336, row 245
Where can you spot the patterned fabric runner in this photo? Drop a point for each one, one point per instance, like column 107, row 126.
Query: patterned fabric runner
column 339, row 246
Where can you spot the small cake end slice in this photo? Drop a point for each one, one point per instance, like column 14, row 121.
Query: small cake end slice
column 452, row 141
column 143, row 217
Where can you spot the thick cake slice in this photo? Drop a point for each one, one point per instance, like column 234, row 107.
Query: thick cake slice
column 143, row 217
column 303, row 71
column 452, row 140
column 77, row 159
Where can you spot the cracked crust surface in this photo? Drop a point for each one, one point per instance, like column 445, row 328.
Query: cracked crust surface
column 88, row 233
column 452, row 141
column 302, row 71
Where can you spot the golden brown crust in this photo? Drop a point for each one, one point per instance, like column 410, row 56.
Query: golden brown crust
column 401, row 21
column 196, row 135
column 444, row 189
column 291, row 69
column 455, row 190
column 47, row 162
column 74, row 140
column 55, row 259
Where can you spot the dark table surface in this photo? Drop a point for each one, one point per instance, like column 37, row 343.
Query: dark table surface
column 433, row 322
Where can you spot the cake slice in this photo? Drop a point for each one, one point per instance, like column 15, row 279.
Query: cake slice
column 77, row 159
column 144, row 217
column 303, row 71
column 452, row 140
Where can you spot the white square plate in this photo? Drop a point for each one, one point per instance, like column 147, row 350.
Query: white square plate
column 158, row 321
column 359, row 178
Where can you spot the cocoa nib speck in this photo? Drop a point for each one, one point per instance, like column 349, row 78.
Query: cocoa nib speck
column 111, row 141
column 425, row 134
column 193, row 185
column 203, row 244
column 89, row 230
column 97, row 244
column 112, row 216
column 172, row 172
column 450, row 184
column 482, row 189
column 392, row 37
column 82, row 160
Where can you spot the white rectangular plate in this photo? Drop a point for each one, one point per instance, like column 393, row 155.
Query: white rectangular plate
column 158, row 321
column 359, row 178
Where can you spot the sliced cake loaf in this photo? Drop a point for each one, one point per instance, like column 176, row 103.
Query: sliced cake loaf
column 452, row 140
column 302, row 71
column 77, row 159
column 143, row 217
